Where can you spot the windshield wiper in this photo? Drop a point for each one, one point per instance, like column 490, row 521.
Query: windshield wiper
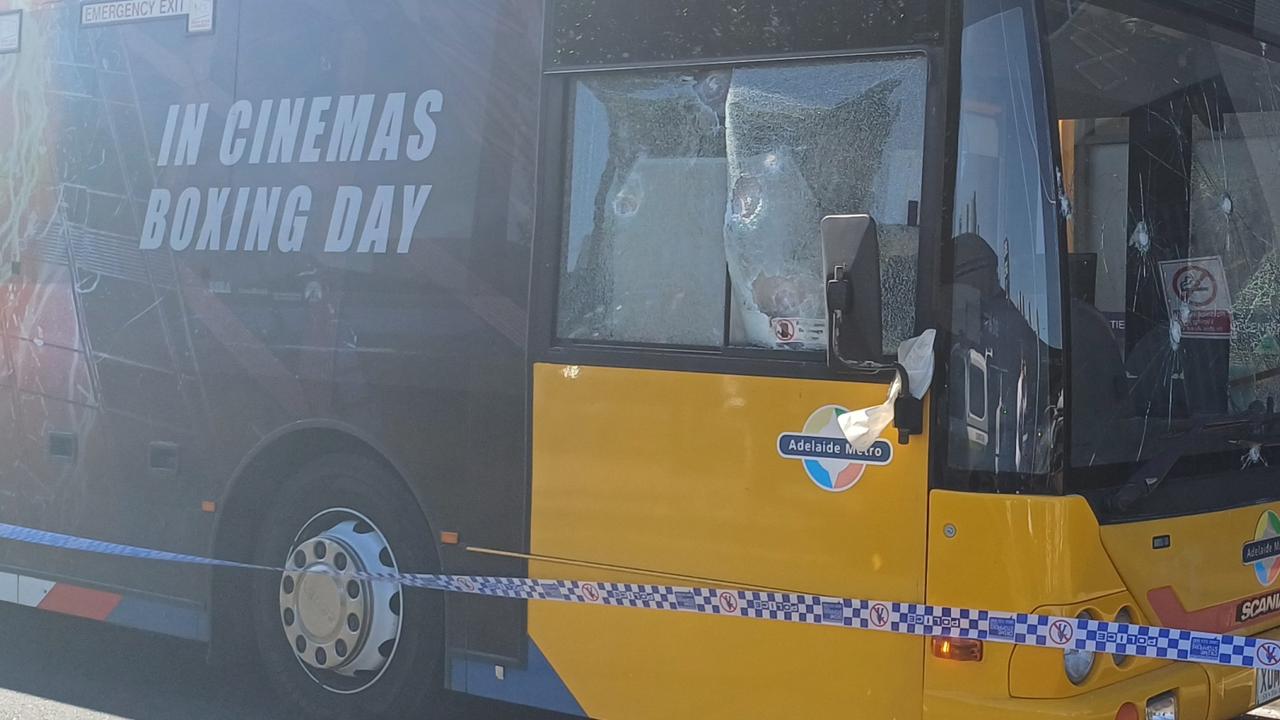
column 1261, row 428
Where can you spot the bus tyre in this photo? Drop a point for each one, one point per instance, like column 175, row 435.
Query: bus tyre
column 337, row 647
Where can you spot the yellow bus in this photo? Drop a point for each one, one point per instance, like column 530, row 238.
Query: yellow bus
column 972, row 304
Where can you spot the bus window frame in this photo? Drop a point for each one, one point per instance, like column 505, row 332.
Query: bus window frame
column 929, row 27
column 942, row 475
column 545, row 345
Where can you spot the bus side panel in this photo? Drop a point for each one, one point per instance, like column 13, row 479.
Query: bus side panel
column 92, row 322
column 422, row 351
column 317, row 215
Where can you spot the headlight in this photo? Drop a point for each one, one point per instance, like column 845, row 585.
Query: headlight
column 1078, row 663
column 1125, row 616
column 1163, row 707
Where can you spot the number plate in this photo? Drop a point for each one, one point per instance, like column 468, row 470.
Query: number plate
column 1266, row 686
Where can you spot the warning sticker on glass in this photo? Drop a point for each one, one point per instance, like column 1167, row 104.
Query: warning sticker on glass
column 807, row 332
column 1198, row 297
column 10, row 32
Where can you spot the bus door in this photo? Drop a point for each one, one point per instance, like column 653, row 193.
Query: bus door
column 685, row 423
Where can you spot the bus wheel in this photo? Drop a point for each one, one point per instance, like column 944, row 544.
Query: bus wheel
column 347, row 648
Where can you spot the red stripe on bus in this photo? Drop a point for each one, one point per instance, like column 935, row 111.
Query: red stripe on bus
column 80, row 602
column 1218, row 618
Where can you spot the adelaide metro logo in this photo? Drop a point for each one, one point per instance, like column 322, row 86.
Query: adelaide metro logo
column 828, row 458
column 1263, row 552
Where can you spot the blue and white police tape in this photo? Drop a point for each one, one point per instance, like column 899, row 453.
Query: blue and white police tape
column 880, row 616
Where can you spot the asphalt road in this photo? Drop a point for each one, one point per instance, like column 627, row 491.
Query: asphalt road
column 59, row 668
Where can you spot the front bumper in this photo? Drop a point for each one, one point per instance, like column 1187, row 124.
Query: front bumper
column 1205, row 692
column 1190, row 681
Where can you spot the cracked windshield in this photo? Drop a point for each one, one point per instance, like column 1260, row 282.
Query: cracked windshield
column 1170, row 190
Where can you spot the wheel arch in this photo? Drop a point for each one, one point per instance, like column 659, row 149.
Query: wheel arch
column 251, row 488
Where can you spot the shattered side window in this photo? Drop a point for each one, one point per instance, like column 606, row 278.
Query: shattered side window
column 644, row 252
column 805, row 142
column 681, row 182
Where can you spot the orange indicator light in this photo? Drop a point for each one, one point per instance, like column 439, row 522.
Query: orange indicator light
column 958, row 649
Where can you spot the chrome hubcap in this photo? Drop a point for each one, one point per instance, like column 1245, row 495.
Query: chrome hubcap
column 343, row 631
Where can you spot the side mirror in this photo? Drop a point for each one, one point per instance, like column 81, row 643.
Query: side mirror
column 851, row 265
column 855, row 335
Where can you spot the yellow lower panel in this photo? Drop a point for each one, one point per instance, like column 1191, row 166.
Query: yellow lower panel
column 1013, row 553
column 681, row 473
column 623, row 664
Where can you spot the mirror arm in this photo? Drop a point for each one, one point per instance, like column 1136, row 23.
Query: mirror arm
column 862, row 367
column 850, row 241
column 908, row 411
column 840, row 300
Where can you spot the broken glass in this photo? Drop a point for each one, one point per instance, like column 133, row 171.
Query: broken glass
column 682, row 181
column 1231, row 218
column 804, row 142
column 1171, row 160
column 644, row 258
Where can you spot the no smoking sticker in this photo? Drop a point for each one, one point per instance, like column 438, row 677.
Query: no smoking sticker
column 1195, row 285
column 1197, row 295
column 799, row 331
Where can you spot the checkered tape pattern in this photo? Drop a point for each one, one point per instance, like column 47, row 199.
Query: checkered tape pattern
column 901, row 618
